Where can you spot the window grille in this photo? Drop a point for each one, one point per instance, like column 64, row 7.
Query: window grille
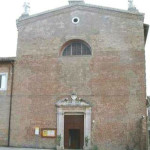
column 76, row 48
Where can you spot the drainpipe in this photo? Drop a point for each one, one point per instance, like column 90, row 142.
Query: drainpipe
column 10, row 108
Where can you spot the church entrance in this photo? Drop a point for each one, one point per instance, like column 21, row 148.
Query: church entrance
column 73, row 123
column 73, row 131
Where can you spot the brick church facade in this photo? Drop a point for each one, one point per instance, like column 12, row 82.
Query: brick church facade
column 78, row 81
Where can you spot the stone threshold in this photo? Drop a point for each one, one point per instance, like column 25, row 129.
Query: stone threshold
column 14, row 148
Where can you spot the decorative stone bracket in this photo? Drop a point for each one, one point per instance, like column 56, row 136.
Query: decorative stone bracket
column 73, row 101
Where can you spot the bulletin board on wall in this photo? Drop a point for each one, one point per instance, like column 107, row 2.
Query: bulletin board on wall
column 48, row 133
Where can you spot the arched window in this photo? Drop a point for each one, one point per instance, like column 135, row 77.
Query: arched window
column 76, row 48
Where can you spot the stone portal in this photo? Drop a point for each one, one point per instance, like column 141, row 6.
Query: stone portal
column 74, row 123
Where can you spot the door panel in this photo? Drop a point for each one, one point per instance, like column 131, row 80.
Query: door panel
column 74, row 138
column 74, row 131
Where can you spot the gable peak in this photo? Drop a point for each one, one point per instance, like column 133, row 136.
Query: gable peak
column 73, row 2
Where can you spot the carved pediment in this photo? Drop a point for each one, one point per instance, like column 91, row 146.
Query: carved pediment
column 73, row 101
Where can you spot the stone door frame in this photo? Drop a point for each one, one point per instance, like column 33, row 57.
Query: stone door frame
column 74, row 110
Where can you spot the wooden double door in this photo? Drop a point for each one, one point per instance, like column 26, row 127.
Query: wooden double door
column 73, row 131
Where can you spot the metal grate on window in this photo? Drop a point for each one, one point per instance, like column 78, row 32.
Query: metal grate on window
column 76, row 48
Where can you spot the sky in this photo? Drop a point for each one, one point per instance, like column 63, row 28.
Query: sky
column 10, row 10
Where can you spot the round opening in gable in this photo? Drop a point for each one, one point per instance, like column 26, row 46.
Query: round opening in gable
column 75, row 20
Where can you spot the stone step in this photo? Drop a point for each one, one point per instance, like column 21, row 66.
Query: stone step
column 73, row 149
column 13, row 148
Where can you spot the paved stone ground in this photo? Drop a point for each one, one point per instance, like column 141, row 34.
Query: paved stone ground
column 11, row 148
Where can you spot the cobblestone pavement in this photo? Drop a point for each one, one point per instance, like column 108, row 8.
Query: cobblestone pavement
column 11, row 148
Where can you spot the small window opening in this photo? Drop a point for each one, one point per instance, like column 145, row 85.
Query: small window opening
column 75, row 20
column 3, row 81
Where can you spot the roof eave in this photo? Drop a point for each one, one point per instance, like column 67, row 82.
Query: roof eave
column 7, row 59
